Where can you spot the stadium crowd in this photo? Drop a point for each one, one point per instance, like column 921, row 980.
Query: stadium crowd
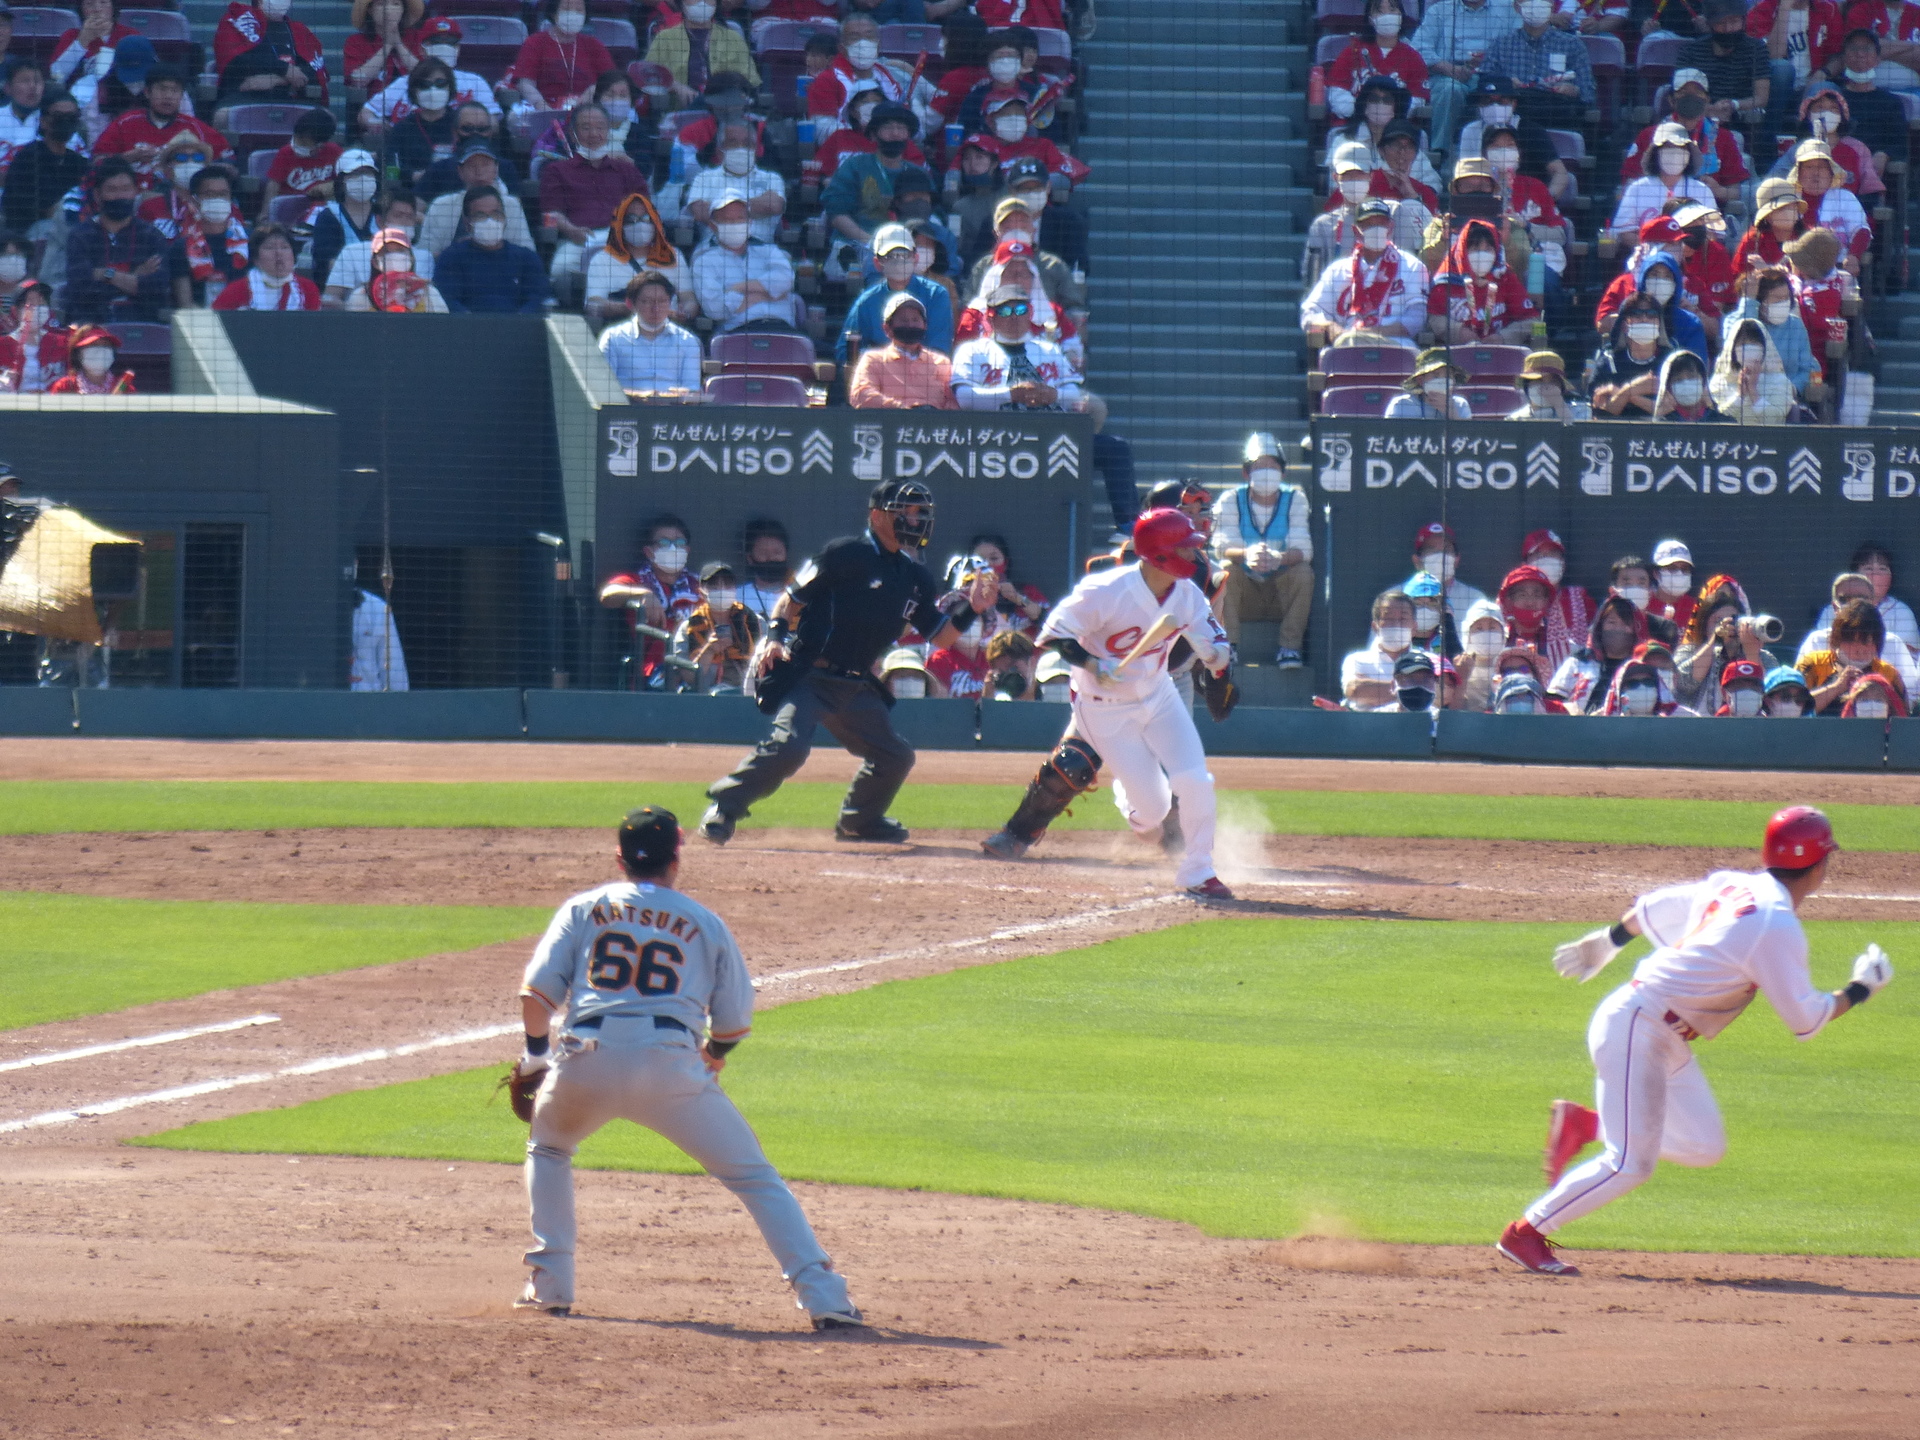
column 1689, row 201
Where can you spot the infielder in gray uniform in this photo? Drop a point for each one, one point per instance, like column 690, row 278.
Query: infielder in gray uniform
column 642, row 973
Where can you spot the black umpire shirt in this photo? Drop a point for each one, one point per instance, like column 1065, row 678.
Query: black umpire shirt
column 859, row 599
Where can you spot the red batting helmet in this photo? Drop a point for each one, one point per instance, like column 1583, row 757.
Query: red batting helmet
column 1159, row 536
column 1797, row 838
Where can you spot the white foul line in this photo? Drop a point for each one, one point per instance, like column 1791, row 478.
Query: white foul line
column 166, row 1037
column 493, row 1032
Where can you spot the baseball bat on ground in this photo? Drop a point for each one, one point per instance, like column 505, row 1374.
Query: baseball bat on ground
column 1156, row 632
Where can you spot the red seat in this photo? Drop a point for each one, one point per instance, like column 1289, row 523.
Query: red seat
column 169, row 32
column 1491, row 402
column 489, row 44
column 1392, row 361
column 516, row 9
column 754, row 348
column 1358, row 400
column 262, row 127
column 623, row 45
column 37, row 27
column 756, row 390
column 1486, row 363
column 147, row 350
column 1341, row 16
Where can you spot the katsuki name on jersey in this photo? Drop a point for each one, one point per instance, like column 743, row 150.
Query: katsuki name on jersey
column 614, row 912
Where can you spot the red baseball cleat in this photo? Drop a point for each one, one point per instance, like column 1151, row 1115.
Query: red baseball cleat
column 1210, row 889
column 1524, row 1245
column 1572, row 1128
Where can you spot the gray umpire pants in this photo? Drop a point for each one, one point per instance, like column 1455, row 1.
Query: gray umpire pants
column 656, row 1078
column 856, row 716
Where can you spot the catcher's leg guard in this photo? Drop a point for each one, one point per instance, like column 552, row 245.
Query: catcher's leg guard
column 1070, row 771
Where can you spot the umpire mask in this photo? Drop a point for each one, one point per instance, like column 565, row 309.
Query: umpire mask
column 910, row 503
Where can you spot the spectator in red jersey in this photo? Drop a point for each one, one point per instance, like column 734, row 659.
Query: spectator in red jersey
column 805, row 12
column 1777, row 218
column 263, row 57
column 95, row 349
column 1819, row 285
column 141, row 132
column 1524, row 195
column 1382, row 53
column 304, row 165
column 1013, row 139
column 1706, row 268
column 967, row 48
column 659, row 592
column 35, row 354
column 1723, row 169
column 82, row 57
column 210, row 247
column 1572, row 610
column 852, row 139
column 1830, row 205
column 1019, row 608
column 169, row 205
column 558, row 64
column 1802, row 37
column 271, row 284
column 859, row 68
column 385, row 43
column 1476, row 297
column 116, row 263
column 1825, row 115
column 394, row 288
column 1005, row 77
column 1672, row 598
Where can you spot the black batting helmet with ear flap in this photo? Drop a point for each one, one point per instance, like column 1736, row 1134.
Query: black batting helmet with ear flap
column 900, row 499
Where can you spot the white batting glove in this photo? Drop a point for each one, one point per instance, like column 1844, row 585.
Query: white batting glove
column 1873, row 969
column 1106, row 670
column 1586, row 957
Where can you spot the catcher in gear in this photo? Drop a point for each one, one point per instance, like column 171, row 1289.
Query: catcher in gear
column 654, row 996
column 1115, row 631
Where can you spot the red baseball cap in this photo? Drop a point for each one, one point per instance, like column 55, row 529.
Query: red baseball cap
column 1014, row 247
column 1659, row 230
column 1742, row 670
column 1798, row 837
column 1541, row 540
column 441, row 28
column 1433, row 530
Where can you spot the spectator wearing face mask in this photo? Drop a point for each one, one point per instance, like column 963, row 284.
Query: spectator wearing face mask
column 1012, row 368
column 1429, row 392
column 859, row 68
column 1375, row 295
column 559, row 62
column 1624, row 376
column 853, row 139
column 16, row 254
column 393, row 287
column 998, row 75
column 116, row 263
column 1013, row 267
column 648, row 353
column 1483, row 638
column 435, row 91
column 1820, row 285
column 1707, row 279
column 1380, row 101
column 353, row 267
column 1879, row 119
column 904, row 372
column 1825, row 116
column 1336, row 232
column 1821, row 181
column 1261, row 537
column 1013, row 219
column 719, row 633
column 1672, row 597
column 1367, row 676
column 1543, row 380
column 1787, row 696
column 904, row 674
column 742, row 284
column 1382, row 52
column 959, row 670
column 487, row 272
column 763, row 544
column 143, row 130
column 1433, row 628
column 1393, row 179
column 1523, row 695
column 1720, row 632
column 305, row 164
column 478, row 166
column 1723, row 167
column 1582, row 680
column 264, row 57
column 1635, row 690
column 1874, row 564
column 894, row 248
column 1660, row 656
column 1453, row 39
column 1476, row 298
column 1549, row 68
column 1019, row 609
column 1528, row 198
column 1573, row 608
column 731, row 164
column 171, row 205
column 210, row 249
column 1436, row 552
column 385, row 43
column 1631, row 578
column 1683, row 396
column 351, row 215
column 1013, row 138
column 859, row 198
column 1474, row 176
column 1493, row 105
column 658, row 592
column 1416, row 684
column 1532, row 621
column 1743, row 686
column 1749, row 385
column 94, row 349
column 45, row 168
column 1874, row 698
column 579, row 193
column 1668, row 168
column 1777, row 219
column 1737, row 66
column 36, row 353
column 636, row 244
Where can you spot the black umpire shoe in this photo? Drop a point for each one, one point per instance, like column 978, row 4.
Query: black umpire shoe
column 716, row 826
column 885, row 830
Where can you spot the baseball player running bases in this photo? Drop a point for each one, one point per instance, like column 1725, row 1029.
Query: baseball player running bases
column 641, row 974
column 1114, row 632
column 1717, row 943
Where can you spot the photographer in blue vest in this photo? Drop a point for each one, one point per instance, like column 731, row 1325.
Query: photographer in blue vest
column 1260, row 536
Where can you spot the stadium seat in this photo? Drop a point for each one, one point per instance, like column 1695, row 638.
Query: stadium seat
column 782, row 54
column 259, row 162
column 623, row 45
column 261, row 127
column 1654, row 65
column 37, row 27
column 756, row 390
column 754, row 348
column 513, row 9
column 1056, row 52
column 1359, row 400
column 1346, row 17
column 1386, row 361
column 910, row 42
column 147, row 350
column 525, row 128
column 1608, row 57
column 1492, row 401
column 169, row 33
column 609, row 10
column 1487, row 363
column 290, row 209
column 490, row 43
column 1328, row 48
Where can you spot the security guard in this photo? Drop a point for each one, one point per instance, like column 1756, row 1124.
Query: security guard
column 846, row 608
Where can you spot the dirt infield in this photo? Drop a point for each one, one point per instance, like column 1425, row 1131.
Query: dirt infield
column 153, row 1293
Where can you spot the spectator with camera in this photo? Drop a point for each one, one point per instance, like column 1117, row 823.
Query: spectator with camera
column 1376, row 295
column 1018, row 607
column 1260, row 536
column 1381, row 53
column 1367, row 676
column 648, row 353
column 1012, row 658
column 659, row 593
column 742, row 284
column 906, row 372
column 1723, row 629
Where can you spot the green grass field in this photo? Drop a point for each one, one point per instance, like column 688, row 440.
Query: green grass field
column 1248, row 1075
column 68, row 955
column 34, row 807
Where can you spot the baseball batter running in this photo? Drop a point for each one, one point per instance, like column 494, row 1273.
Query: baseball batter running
column 1716, row 943
column 1114, row 631
column 642, row 974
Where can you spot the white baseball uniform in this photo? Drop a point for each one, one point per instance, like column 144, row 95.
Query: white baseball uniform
column 1144, row 734
column 641, row 971
column 1717, row 943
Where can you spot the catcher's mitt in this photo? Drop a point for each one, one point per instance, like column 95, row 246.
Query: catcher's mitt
column 521, row 1086
column 1220, row 692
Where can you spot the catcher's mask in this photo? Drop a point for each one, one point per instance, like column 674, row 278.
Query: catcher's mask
column 910, row 503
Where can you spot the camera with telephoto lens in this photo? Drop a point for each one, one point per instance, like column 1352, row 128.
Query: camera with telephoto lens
column 1766, row 628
